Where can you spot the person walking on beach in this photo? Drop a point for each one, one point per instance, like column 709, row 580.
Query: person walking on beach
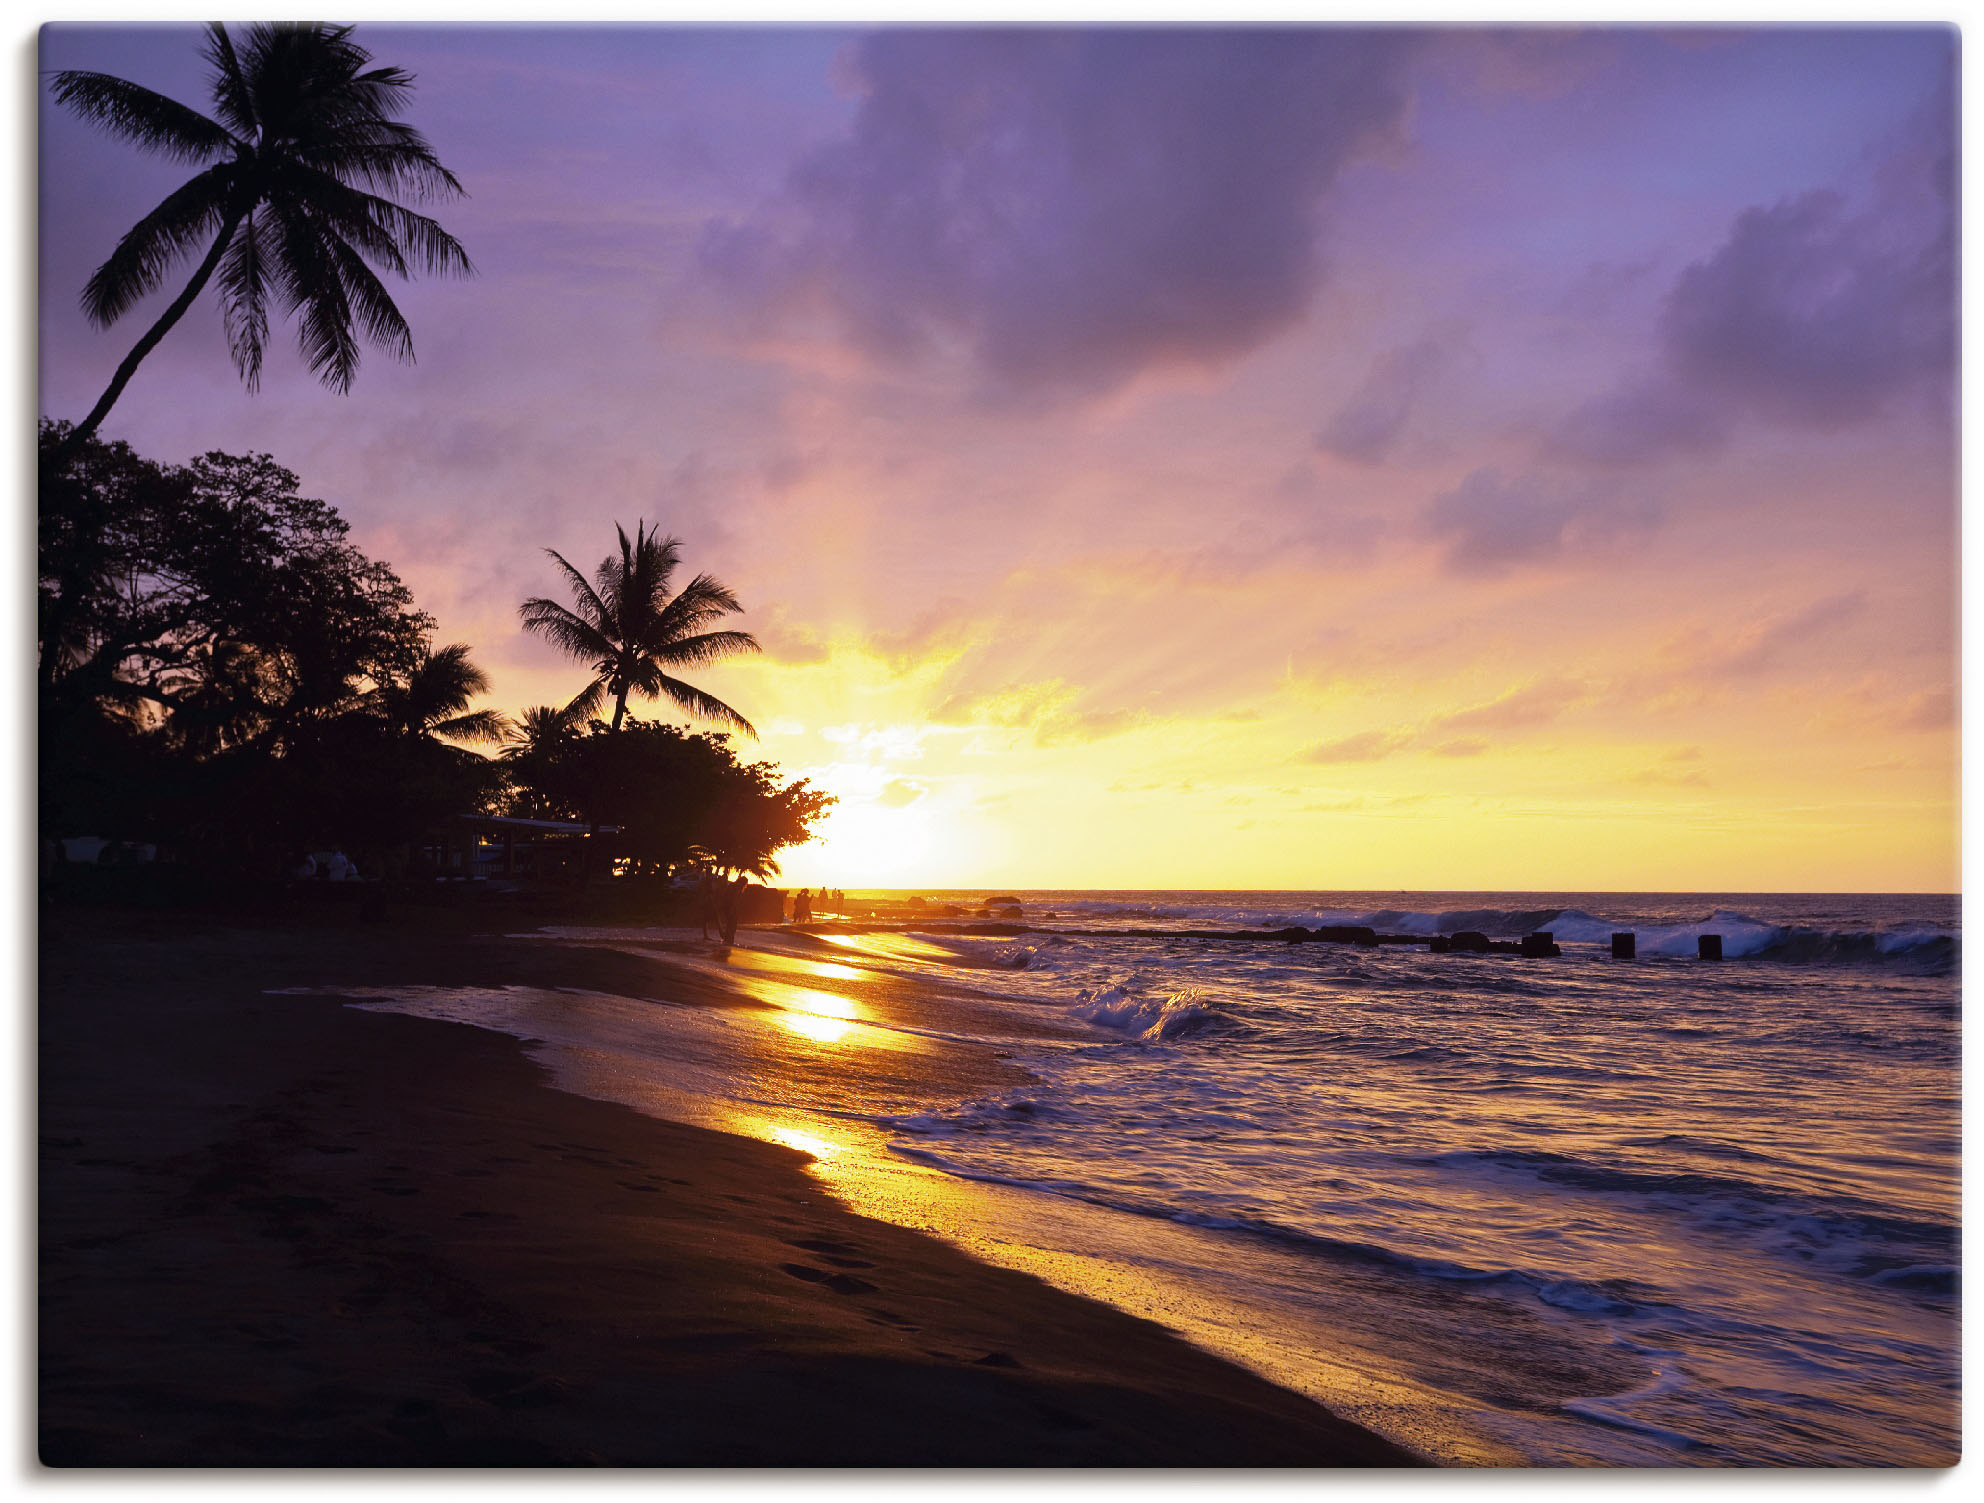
column 727, row 894
column 711, row 913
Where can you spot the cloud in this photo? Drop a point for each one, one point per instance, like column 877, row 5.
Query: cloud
column 1043, row 708
column 1766, row 645
column 1931, row 710
column 1645, row 420
column 900, row 792
column 1815, row 317
column 1072, row 207
column 1365, row 746
column 1815, row 312
column 1491, row 522
column 787, row 641
column 1533, row 704
column 1464, row 746
column 1364, row 429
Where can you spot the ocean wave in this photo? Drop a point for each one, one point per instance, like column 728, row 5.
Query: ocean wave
column 1614, row 1298
column 1154, row 1019
column 1858, row 1242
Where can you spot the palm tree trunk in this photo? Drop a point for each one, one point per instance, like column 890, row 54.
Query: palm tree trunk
column 144, row 346
column 592, row 826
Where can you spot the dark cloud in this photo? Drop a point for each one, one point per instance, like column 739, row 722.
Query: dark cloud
column 1817, row 311
column 1491, row 522
column 1813, row 316
column 1653, row 418
column 1365, row 427
column 1072, row 207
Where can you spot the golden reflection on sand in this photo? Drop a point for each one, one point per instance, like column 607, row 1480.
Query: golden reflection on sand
column 887, row 946
column 794, row 965
column 819, row 1030
column 805, row 1142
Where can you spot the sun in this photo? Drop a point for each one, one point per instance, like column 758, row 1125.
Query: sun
column 868, row 845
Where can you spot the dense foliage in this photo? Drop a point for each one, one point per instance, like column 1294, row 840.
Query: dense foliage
column 223, row 674
column 678, row 799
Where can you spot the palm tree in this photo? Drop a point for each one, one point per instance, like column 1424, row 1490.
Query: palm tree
column 538, row 732
column 432, row 701
column 301, row 130
column 625, row 625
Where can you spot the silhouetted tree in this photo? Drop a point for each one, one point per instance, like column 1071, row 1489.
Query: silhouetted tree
column 302, row 129
column 221, row 669
column 627, row 627
column 680, row 799
column 432, row 699
column 535, row 761
column 208, row 599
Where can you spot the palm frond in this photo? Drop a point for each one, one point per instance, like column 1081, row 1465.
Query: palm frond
column 702, row 601
column 585, row 704
column 591, row 607
column 243, row 283
column 381, row 318
column 566, row 630
column 143, row 117
column 188, row 215
column 703, row 705
column 447, row 679
column 710, row 647
column 478, row 725
column 312, row 289
column 230, row 88
column 386, row 154
column 387, row 231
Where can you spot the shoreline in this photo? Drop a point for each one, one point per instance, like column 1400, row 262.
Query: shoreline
column 276, row 1231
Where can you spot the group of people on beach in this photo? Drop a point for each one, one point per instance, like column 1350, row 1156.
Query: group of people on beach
column 802, row 905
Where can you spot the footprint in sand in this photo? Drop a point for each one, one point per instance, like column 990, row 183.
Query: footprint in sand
column 837, row 1253
column 840, row 1283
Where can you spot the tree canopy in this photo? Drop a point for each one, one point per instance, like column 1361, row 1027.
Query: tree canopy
column 224, row 672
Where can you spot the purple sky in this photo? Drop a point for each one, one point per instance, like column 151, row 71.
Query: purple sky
column 1341, row 458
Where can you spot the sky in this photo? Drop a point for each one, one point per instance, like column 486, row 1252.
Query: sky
column 1279, row 458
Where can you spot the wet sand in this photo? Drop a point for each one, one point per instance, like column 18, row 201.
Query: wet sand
column 280, row 1231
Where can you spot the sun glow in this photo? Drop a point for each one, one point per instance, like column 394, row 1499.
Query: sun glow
column 869, row 845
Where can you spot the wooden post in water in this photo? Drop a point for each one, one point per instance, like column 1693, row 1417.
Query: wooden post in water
column 1709, row 946
column 1624, row 946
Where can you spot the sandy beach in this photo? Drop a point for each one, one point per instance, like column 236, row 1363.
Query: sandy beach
column 279, row 1231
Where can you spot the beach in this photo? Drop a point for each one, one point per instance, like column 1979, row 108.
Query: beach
column 279, row 1230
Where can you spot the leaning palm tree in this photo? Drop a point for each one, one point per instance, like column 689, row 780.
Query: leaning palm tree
column 431, row 702
column 629, row 630
column 302, row 129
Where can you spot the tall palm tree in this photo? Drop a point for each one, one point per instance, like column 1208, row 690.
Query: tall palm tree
column 627, row 627
column 302, row 129
column 431, row 702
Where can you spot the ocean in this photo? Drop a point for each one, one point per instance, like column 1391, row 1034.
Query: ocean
column 1532, row 1211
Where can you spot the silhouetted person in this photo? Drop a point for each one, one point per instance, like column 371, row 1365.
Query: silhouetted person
column 802, row 906
column 727, row 895
column 711, row 913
